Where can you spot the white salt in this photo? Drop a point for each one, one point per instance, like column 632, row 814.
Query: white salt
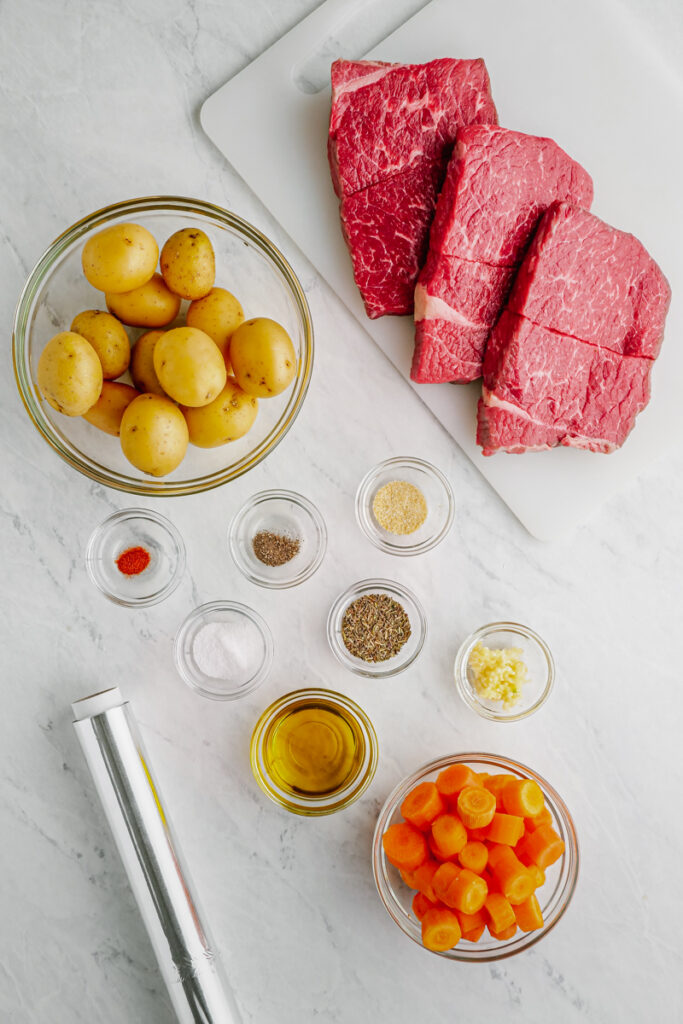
column 228, row 650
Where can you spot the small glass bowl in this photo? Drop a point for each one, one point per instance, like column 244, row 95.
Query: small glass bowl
column 211, row 686
column 536, row 655
column 554, row 897
column 411, row 648
column 130, row 528
column 305, row 803
column 438, row 495
column 285, row 513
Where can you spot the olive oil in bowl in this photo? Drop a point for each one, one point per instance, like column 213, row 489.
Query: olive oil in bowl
column 314, row 751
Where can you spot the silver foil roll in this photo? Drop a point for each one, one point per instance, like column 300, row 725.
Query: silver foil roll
column 120, row 769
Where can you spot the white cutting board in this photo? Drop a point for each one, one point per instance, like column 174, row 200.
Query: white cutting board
column 580, row 71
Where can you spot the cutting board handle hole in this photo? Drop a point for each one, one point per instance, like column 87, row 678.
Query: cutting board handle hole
column 362, row 26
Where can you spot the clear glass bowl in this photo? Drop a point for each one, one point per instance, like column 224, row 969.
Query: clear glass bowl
column 554, row 897
column 249, row 675
column 287, row 514
column 130, row 528
column 247, row 263
column 438, row 495
column 306, row 803
column 537, row 657
column 411, row 648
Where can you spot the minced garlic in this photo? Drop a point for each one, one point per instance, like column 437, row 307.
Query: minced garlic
column 498, row 675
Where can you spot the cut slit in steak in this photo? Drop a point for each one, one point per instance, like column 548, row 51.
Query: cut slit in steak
column 498, row 184
column 569, row 361
column 392, row 129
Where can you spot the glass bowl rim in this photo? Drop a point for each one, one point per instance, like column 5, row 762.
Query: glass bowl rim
column 396, row 590
column 462, row 659
column 233, row 606
column 360, row 782
column 371, row 533
column 261, row 497
column 121, row 516
column 25, row 385
column 393, row 801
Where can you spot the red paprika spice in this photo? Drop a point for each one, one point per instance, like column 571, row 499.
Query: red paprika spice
column 133, row 561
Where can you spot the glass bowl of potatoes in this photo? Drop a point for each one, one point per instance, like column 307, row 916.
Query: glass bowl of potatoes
column 162, row 346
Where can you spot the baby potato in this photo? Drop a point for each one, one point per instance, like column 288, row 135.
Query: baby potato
column 107, row 337
column 218, row 314
column 142, row 364
column 189, row 366
column 109, row 408
column 229, row 416
column 70, row 374
column 262, row 357
column 188, row 263
column 154, row 434
column 120, row 257
column 150, row 305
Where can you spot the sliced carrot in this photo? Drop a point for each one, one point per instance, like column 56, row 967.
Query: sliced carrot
column 495, row 784
column 449, row 834
column 440, row 929
column 544, row 817
column 528, row 914
column 499, row 912
column 476, row 806
column 506, row 934
column 451, row 780
column 523, row 797
column 475, row 934
column 443, row 879
column 404, row 846
column 482, row 777
column 468, row 922
column 542, row 847
column 505, row 828
column 408, row 877
column 537, row 875
column 474, row 855
column 423, row 878
column 477, row 834
column 434, row 849
column 515, row 880
column 468, row 892
column 491, row 883
column 422, row 805
column 421, row 905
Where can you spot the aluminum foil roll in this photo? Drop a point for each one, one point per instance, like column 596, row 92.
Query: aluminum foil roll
column 113, row 749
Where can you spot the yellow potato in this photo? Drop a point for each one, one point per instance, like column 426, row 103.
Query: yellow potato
column 109, row 408
column 150, row 305
column 218, row 314
column 109, row 339
column 229, row 416
column 154, row 434
column 120, row 257
column 70, row 374
column 262, row 357
column 142, row 364
column 189, row 366
column 188, row 263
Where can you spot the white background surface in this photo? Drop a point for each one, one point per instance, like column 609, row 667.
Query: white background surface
column 99, row 102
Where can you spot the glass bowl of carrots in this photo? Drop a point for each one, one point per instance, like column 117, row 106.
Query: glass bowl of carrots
column 475, row 857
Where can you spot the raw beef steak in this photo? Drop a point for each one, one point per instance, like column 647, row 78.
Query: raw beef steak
column 569, row 361
column 498, row 184
column 392, row 130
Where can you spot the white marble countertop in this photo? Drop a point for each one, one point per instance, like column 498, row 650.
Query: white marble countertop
column 99, row 102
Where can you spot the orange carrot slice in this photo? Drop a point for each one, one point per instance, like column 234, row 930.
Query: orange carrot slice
column 544, row 817
column 442, row 880
column 537, row 875
column 451, row 780
column 505, row 828
column 523, row 797
column 434, row 849
column 404, row 846
column 542, row 847
column 528, row 914
column 408, row 877
column 449, row 834
column 422, row 805
column 476, row 806
column 468, row 892
column 506, row 934
column 495, row 784
column 475, row 934
column 474, row 855
column 499, row 912
column 423, row 877
column 421, row 905
column 515, row 880
column 468, row 922
column 440, row 929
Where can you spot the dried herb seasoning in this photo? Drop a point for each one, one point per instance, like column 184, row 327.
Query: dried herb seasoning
column 375, row 627
column 275, row 548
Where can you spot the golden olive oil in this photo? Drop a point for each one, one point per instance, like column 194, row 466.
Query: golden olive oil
column 314, row 747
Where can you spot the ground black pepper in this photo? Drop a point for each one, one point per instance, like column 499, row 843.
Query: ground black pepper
column 275, row 548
